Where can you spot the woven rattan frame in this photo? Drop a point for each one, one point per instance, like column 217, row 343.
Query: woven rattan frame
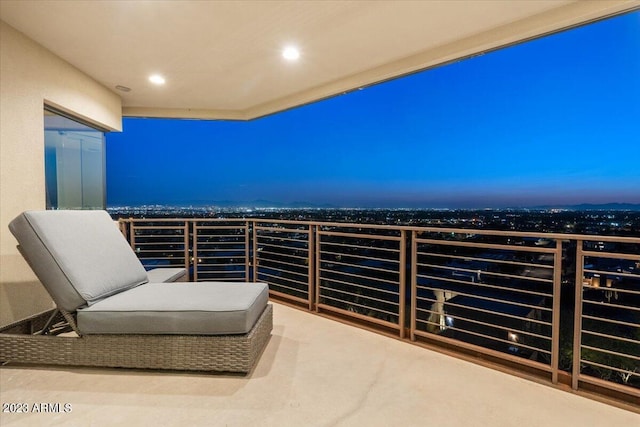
column 26, row 342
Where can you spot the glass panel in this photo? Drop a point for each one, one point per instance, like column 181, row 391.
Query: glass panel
column 74, row 164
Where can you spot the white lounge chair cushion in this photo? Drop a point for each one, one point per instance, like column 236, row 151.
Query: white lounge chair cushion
column 205, row 308
column 79, row 256
column 166, row 274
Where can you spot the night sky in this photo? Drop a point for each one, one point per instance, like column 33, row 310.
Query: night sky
column 555, row 121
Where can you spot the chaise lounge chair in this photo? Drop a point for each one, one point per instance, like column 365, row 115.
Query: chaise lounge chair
column 110, row 314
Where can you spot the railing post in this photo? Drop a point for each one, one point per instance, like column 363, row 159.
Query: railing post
column 555, row 316
column 195, row 248
column 122, row 226
column 132, row 236
column 317, row 267
column 247, row 251
column 414, row 285
column 402, row 282
column 255, row 258
column 577, row 320
column 311, row 267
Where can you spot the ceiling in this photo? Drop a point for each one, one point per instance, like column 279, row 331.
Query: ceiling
column 222, row 59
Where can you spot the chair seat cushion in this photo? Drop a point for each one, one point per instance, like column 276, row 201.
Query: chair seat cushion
column 204, row 308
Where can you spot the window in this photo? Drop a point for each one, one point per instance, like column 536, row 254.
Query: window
column 74, row 163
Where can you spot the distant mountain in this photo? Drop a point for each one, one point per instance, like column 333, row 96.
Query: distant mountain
column 594, row 207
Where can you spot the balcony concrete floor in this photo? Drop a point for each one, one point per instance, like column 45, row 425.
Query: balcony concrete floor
column 314, row 372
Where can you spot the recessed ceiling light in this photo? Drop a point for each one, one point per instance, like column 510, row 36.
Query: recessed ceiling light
column 290, row 53
column 156, row 79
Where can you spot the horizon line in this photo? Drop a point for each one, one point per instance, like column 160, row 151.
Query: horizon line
column 623, row 206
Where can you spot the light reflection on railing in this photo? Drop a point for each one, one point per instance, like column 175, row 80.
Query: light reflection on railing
column 491, row 292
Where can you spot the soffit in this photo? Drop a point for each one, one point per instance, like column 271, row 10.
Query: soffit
column 222, row 59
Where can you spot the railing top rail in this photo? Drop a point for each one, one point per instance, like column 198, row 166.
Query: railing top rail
column 430, row 229
column 185, row 219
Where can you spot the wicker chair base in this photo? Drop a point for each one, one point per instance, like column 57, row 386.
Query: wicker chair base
column 224, row 353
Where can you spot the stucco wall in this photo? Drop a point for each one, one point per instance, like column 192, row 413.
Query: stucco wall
column 31, row 76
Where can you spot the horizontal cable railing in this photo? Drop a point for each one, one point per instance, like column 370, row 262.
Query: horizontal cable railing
column 159, row 243
column 606, row 349
column 360, row 273
column 220, row 251
column 283, row 258
column 492, row 292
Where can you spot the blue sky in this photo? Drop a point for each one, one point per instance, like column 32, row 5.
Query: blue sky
column 554, row 121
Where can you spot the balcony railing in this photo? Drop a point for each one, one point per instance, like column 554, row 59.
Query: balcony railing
column 508, row 296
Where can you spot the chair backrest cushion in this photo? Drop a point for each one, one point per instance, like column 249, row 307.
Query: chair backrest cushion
column 79, row 256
